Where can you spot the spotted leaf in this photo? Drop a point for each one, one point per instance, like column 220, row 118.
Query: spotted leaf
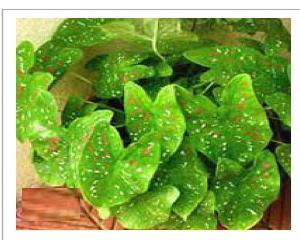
column 76, row 107
column 147, row 210
column 188, row 174
column 283, row 154
column 118, row 68
column 24, row 61
column 53, row 58
column 281, row 104
column 79, row 133
column 163, row 116
column 52, row 149
column 238, row 129
column 202, row 218
column 248, row 192
column 269, row 74
column 109, row 175
column 48, row 171
column 36, row 107
column 83, row 32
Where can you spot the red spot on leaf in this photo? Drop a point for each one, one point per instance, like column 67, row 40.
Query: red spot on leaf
column 50, row 69
column 266, row 165
column 199, row 110
column 53, row 148
column 131, row 100
column 55, row 139
column 241, row 105
column 236, row 119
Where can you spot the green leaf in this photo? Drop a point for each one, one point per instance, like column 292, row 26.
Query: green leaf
column 203, row 218
column 24, row 60
column 283, row 154
column 83, row 32
column 188, row 174
column 76, row 107
column 53, row 58
column 109, row 175
column 269, row 74
column 52, row 147
column 36, row 107
column 281, row 104
column 238, row 129
column 118, row 68
column 79, row 133
column 163, row 116
column 243, row 197
column 147, row 210
column 48, row 171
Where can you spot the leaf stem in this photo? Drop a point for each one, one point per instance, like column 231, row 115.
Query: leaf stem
column 154, row 40
column 207, row 88
column 82, row 78
column 275, row 141
column 103, row 105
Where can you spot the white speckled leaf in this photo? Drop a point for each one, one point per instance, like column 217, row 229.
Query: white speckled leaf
column 24, row 60
column 269, row 74
column 118, row 68
column 52, row 147
column 162, row 117
column 36, row 107
column 238, row 129
column 53, row 58
column 283, row 154
column 248, row 193
column 147, row 210
column 109, row 175
column 186, row 172
column 203, row 218
column 281, row 104
column 79, row 133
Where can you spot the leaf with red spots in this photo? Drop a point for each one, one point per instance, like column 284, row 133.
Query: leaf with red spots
column 281, row 104
column 79, row 133
column 202, row 218
column 244, row 195
column 36, row 107
column 269, row 74
column 238, row 129
column 163, row 116
column 116, row 69
column 53, row 58
column 52, row 155
column 109, row 175
column 283, row 154
column 186, row 172
column 147, row 210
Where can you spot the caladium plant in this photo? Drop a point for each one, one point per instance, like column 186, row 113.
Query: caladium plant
column 181, row 132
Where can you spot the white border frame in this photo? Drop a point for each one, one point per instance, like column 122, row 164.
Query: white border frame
column 9, row 123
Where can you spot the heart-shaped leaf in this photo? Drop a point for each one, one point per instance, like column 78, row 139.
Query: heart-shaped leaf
column 147, row 210
column 283, row 154
column 118, row 68
column 281, row 104
column 163, row 116
column 269, row 74
column 109, row 175
column 238, row 129
column 53, row 58
column 188, row 174
column 243, row 195
column 79, row 133
column 203, row 218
